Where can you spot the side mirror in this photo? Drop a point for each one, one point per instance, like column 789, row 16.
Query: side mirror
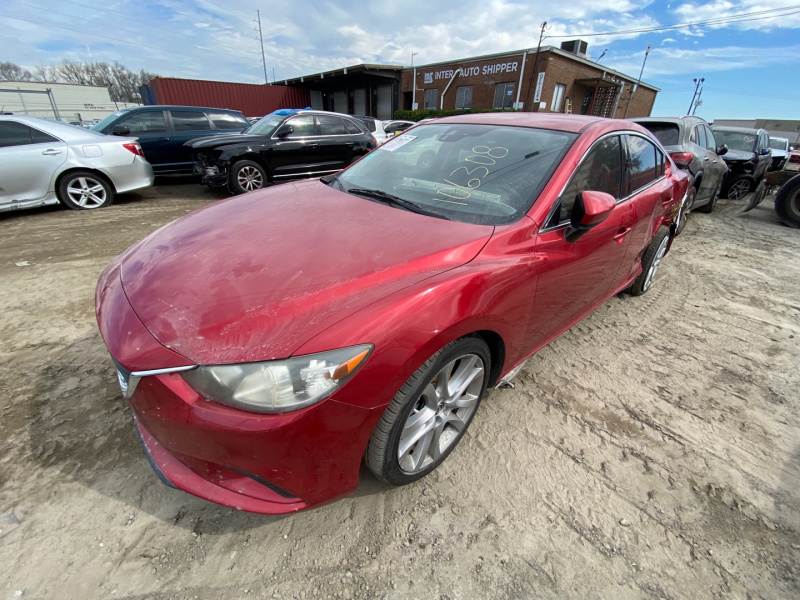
column 284, row 130
column 766, row 151
column 590, row 209
column 120, row 130
column 722, row 150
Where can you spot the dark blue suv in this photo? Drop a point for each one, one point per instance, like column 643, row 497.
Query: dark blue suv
column 163, row 130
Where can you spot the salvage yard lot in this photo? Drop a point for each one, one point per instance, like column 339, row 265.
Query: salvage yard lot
column 651, row 451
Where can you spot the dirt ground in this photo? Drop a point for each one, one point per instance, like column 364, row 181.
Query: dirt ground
column 650, row 452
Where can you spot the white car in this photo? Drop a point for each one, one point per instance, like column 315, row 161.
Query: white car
column 47, row 162
column 780, row 152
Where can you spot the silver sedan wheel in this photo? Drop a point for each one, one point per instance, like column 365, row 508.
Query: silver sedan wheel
column 250, row 178
column 651, row 272
column 86, row 192
column 441, row 413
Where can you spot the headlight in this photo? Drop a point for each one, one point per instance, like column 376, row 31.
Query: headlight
column 278, row 386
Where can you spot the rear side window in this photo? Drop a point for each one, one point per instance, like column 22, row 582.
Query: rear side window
column 666, row 133
column 189, row 121
column 331, row 126
column 370, row 125
column 642, row 163
column 145, row 122
column 227, row 121
column 600, row 171
column 352, row 128
column 17, row 134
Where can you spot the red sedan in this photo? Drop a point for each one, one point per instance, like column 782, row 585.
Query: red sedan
column 271, row 343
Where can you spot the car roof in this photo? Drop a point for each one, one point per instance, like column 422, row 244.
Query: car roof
column 737, row 129
column 147, row 107
column 559, row 122
column 686, row 120
column 65, row 131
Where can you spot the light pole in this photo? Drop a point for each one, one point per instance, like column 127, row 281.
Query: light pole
column 636, row 85
column 697, row 84
column 697, row 102
column 414, row 82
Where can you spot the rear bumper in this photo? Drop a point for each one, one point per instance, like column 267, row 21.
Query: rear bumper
column 131, row 177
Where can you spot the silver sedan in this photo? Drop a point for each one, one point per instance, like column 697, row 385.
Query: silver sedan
column 44, row 162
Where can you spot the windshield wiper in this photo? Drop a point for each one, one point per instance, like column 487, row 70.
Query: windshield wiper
column 389, row 199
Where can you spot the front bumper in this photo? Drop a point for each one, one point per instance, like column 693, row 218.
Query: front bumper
column 213, row 175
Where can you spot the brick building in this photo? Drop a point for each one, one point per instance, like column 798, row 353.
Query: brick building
column 554, row 80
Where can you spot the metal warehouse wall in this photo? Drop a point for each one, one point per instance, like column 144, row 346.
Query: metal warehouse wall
column 251, row 100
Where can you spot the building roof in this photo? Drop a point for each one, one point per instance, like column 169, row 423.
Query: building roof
column 364, row 69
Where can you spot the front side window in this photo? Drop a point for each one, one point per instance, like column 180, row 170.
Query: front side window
column 503, row 95
column 430, row 98
column 464, row 97
column 558, row 97
column 189, row 121
column 18, row 134
column 303, row 126
column 711, row 142
column 699, row 136
column 145, row 122
column 642, row 163
column 600, row 171
column 481, row 174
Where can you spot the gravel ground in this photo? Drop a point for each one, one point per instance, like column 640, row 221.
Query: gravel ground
column 650, row 452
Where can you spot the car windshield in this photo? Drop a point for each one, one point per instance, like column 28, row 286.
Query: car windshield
column 482, row 174
column 666, row 133
column 779, row 144
column 266, row 125
column 736, row 140
column 112, row 117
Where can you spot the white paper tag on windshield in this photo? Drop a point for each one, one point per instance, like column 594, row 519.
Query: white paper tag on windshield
column 400, row 140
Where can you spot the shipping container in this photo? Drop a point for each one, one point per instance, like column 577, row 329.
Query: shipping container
column 252, row 100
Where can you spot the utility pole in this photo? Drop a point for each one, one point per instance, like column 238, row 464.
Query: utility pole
column 697, row 84
column 261, row 40
column 535, row 67
column 636, row 86
column 697, row 102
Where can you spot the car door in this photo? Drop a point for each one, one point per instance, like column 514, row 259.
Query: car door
column 574, row 278
column 150, row 127
column 29, row 161
column 186, row 125
column 295, row 153
column 335, row 143
column 763, row 158
column 716, row 166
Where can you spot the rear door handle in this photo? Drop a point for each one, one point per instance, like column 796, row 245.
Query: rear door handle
column 166, row 139
column 51, row 152
column 623, row 231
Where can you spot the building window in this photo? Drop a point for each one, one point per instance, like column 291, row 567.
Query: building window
column 430, row 98
column 464, row 97
column 503, row 95
column 558, row 97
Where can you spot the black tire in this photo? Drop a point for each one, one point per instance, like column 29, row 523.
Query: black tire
column 737, row 187
column 683, row 214
column 420, row 401
column 247, row 176
column 787, row 203
column 709, row 206
column 651, row 259
column 84, row 190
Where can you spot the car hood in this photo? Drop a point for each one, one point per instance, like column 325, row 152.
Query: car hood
column 734, row 155
column 224, row 139
column 254, row 277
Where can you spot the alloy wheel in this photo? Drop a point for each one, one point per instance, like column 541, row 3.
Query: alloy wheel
column 739, row 189
column 86, row 192
column 441, row 413
column 651, row 272
column 250, row 178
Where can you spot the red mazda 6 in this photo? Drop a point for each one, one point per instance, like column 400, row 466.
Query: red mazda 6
column 271, row 343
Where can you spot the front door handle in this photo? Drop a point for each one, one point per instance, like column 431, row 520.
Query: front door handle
column 623, row 231
column 166, row 139
column 51, row 152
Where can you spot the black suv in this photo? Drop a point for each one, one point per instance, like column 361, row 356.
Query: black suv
column 162, row 131
column 286, row 144
column 748, row 157
column 692, row 146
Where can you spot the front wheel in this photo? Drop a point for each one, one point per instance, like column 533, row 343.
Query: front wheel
column 429, row 415
column 84, row 190
column 738, row 187
column 787, row 202
column 247, row 176
column 651, row 260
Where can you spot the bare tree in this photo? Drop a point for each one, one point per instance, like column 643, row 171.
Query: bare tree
column 11, row 72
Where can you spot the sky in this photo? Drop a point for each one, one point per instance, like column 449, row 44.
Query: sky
column 751, row 65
